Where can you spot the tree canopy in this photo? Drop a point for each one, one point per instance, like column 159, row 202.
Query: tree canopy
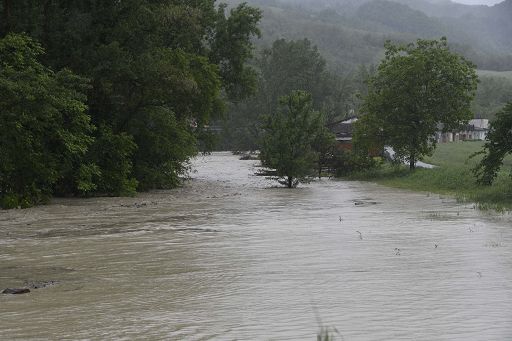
column 291, row 134
column 159, row 71
column 498, row 145
column 417, row 88
column 45, row 130
column 284, row 67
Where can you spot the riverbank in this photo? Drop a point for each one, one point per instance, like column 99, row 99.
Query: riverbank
column 452, row 177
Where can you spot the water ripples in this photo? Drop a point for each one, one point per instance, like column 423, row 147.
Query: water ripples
column 230, row 257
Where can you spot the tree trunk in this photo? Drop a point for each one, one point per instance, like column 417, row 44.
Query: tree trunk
column 46, row 22
column 290, row 182
column 7, row 16
column 412, row 162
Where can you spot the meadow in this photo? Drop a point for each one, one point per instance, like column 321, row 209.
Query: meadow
column 453, row 176
column 488, row 73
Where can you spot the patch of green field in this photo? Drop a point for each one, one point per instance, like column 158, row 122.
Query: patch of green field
column 453, row 177
column 456, row 154
column 459, row 154
column 487, row 73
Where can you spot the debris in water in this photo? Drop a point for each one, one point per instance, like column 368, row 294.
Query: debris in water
column 39, row 284
column 15, row 291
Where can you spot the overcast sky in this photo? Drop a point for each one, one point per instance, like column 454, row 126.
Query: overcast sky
column 478, row 2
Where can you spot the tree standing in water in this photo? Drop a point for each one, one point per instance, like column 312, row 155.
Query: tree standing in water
column 416, row 88
column 290, row 135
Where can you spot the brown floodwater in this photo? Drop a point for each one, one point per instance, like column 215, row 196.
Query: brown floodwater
column 229, row 257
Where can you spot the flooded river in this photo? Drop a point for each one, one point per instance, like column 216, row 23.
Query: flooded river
column 228, row 257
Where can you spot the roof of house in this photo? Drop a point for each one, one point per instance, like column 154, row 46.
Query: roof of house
column 342, row 129
column 473, row 125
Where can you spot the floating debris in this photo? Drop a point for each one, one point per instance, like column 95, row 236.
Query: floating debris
column 16, row 291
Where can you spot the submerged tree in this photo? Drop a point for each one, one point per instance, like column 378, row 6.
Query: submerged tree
column 286, row 66
column 417, row 87
column 159, row 71
column 45, row 131
column 498, row 145
column 289, row 140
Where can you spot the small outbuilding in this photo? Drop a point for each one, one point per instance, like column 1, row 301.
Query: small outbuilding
column 343, row 130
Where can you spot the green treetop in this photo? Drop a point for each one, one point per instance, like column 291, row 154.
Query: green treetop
column 497, row 146
column 159, row 71
column 44, row 129
column 290, row 137
column 416, row 88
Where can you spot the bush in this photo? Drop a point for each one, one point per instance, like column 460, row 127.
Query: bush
column 112, row 154
column 45, row 130
column 347, row 162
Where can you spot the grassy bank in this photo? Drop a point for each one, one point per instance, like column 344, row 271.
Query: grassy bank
column 453, row 177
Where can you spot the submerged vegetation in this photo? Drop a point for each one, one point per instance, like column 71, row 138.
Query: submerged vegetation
column 453, row 176
column 111, row 97
column 289, row 141
column 114, row 97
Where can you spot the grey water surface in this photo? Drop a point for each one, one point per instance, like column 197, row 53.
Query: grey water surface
column 229, row 257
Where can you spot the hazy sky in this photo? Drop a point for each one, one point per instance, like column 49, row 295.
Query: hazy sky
column 478, row 2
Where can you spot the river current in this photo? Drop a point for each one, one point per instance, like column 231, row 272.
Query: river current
column 231, row 257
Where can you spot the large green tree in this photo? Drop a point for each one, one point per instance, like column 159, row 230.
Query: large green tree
column 416, row 88
column 160, row 70
column 498, row 145
column 44, row 129
column 291, row 134
column 284, row 67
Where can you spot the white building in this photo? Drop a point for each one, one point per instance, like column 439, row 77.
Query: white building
column 475, row 130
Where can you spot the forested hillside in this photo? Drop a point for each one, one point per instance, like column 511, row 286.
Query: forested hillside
column 350, row 37
column 350, row 32
column 113, row 97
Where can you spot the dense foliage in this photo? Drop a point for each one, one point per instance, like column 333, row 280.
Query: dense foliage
column 291, row 134
column 498, row 145
column 350, row 33
column 158, row 70
column 417, row 87
column 284, row 67
column 45, row 131
column 494, row 91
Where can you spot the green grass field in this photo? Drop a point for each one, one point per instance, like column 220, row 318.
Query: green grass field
column 453, row 176
column 486, row 73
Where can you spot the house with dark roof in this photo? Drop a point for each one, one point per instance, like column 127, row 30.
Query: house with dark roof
column 343, row 131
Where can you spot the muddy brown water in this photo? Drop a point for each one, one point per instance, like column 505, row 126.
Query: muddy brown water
column 228, row 257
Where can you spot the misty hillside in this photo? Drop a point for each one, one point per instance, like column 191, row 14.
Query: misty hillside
column 351, row 32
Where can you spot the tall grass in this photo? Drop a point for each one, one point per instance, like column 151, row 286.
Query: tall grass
column 453, row 176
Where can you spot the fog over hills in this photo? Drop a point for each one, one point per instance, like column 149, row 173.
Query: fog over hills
column 479, row 2
column 350, row 32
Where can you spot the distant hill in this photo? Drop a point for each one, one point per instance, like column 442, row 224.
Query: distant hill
column 351, row 32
